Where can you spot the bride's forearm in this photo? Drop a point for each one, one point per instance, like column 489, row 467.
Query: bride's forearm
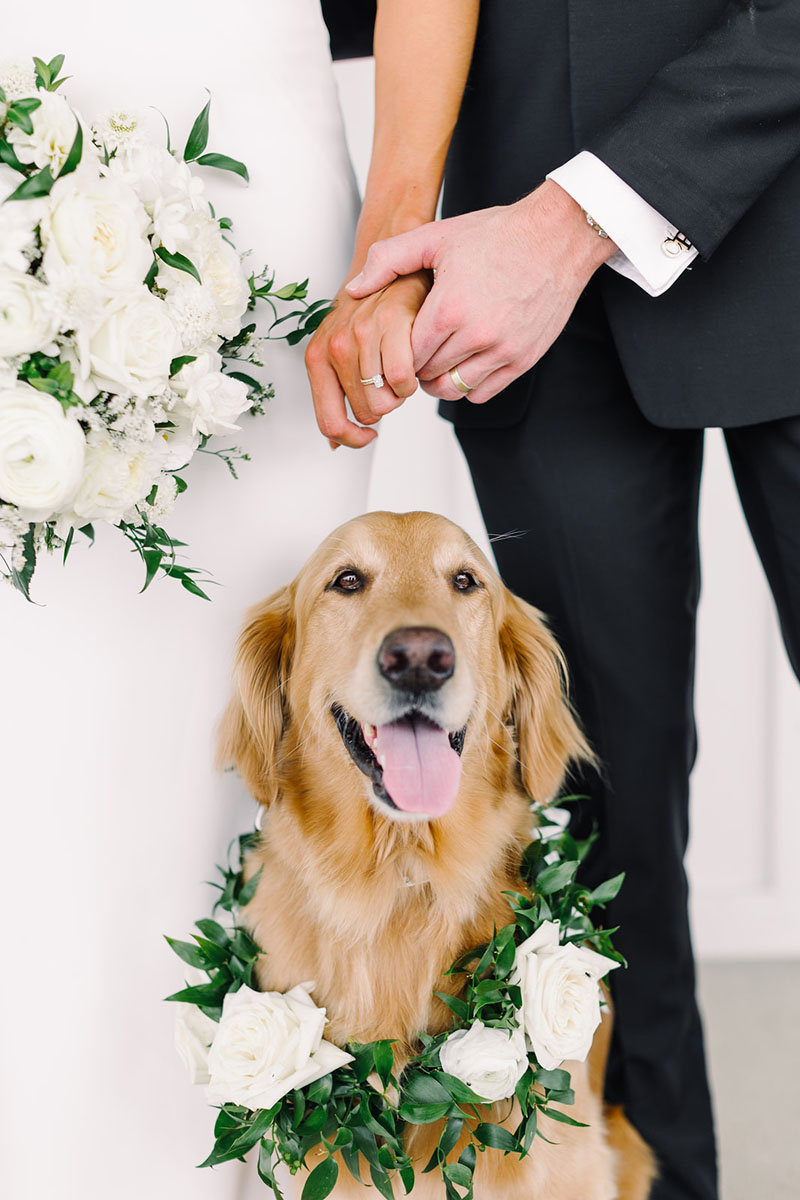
column 422, row 55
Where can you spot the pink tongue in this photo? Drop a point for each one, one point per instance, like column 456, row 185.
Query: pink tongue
column 421, row 770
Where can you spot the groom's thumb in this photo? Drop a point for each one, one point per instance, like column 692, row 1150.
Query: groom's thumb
column 401, row 255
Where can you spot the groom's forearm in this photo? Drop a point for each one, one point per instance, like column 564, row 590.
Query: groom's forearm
column 717, row 125
column 423, row 50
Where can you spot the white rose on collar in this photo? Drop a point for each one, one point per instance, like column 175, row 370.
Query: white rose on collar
column 194, row 1033
column 42, row 451
column 560, row 995
column 27, row 322
column 267, row 1044
column 54, row 128
column 488, row 1060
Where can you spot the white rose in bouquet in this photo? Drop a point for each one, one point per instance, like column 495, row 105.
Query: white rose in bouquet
column 18, row 226
column 42, row 452
column 54, row 128
column 132, row 346
column 215, row 401
column 560, row 995
column 118, row 475
column 267, row 1044
column 27, row 320
column 98, row 225
column 490, row 1061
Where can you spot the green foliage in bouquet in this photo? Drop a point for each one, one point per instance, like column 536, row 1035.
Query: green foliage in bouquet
column 50, row 369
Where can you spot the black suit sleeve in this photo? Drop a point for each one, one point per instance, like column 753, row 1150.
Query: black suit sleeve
column 717, row 125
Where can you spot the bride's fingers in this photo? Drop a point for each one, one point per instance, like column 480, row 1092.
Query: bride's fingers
column 489, row 386
column 330, row 406
column 397, row 360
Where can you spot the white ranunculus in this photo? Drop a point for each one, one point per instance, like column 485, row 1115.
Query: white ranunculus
column 98, row 225
column 18, row 224
column 560, row 995
column 27, row 321
column 117, row 476
column 488, row 1060
column 42, row 451
column 267, row 1044
column 54, row 128
column 215, row 401
column 132, row 346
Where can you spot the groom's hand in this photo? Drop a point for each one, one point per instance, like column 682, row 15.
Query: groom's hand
column 506, row 281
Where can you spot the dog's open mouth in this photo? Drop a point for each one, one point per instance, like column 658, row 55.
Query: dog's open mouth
column 414, row 764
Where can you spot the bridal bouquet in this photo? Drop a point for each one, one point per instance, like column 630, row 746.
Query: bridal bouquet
column 530, row 1000
column 122, row 334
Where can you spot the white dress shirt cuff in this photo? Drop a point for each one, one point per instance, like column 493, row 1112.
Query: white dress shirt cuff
column 650, row 250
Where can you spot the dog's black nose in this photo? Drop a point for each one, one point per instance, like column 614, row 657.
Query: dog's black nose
column 416, row 659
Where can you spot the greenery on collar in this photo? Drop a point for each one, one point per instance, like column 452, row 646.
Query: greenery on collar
column 359, row 1111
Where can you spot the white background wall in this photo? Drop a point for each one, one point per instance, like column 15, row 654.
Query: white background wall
column 743, row 857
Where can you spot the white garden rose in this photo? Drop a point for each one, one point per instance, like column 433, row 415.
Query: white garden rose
column 267, row 1044
column 488, row 1060
column 27, row 320
column 215, row 401
column 117, row 476
column 42, row 451
column 18, row 224
column 98, row 225
column 560, row 995
column 131, row 347
column 54, row 128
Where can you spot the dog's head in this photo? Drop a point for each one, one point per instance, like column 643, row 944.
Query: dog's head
column 398, row 651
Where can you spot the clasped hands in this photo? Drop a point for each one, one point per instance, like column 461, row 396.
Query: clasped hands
column 487, row 292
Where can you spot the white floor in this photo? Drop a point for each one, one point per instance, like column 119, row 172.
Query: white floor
column 752, row 1016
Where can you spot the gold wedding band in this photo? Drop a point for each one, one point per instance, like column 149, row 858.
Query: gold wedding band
column 375, row 381
column 458, row 382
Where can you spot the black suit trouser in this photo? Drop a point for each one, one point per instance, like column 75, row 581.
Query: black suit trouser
column 604, row 506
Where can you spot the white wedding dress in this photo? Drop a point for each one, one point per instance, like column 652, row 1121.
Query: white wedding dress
column 112, row 812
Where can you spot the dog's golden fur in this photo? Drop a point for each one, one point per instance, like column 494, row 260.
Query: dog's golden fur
column 375, row 910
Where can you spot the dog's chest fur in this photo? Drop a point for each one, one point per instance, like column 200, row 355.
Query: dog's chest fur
column 375, row 934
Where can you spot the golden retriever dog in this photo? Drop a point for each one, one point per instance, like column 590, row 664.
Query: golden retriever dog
column 396, row 709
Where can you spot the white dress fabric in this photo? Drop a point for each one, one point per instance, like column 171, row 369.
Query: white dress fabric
column 112, row 812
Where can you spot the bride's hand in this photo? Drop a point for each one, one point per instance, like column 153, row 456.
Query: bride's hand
column 358, row 340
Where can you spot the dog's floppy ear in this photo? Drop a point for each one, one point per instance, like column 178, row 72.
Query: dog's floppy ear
column 548, row 735
column 252, row 726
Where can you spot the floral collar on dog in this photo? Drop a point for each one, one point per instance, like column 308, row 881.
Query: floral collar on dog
column 531, row 1000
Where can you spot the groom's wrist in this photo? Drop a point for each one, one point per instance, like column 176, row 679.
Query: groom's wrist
column 563, row 222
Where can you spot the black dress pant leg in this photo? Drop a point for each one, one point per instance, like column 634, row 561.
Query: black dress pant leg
column 766, row 465
column 603, row 509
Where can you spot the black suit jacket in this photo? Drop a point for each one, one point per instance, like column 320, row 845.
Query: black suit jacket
column 695, row 104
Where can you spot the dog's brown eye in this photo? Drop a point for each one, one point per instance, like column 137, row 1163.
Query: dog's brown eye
column 465, row 581
column 348, row 581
